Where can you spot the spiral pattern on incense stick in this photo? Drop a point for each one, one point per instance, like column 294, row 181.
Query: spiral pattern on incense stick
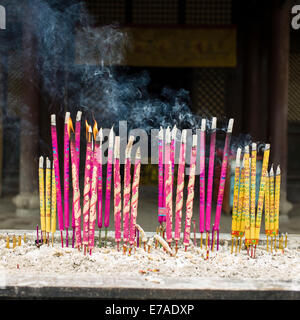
column 235, row 201
column 246, row 199
column 239, row 225
column 86, row 205
column 76, row 203
column 253, row 194
column 134, row 200
column 117, row 200
column 190, row 200
column 126, row 205
column 92, row 216
column 48, row 199
column 261, row 194
column 169, row 193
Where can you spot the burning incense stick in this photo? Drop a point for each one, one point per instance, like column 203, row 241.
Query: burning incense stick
column 161, row 204
column 239, row 222
column 99, row 186
column 235, row 197
column 126, row 193
column 135, row 195
column 117, row 192
column 272, row 204
column 87, row 187
column 168, row 188
column 246, row 206
column 180, row 187
column 253, row 192
column 261, row 194
column 108, row 179
column 93, row 202
column 172, row 150
column 53, row 204
column 77, row 145
column 42, row 194
column 66, row 173
column 277, row 200
column 267, row 209
column 210, row 175
column 76, row 192
column 167, row 157
column 223, row 177
column 190, row 195
column 57, row 177
column 48, row 197
column 202, row 179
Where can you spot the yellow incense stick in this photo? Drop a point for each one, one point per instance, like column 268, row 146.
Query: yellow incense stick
column 272, row 209
column 267, row 206
column 42, row 194
column 235, row 196
column 7, row 242
column 53, row 205
column 246, row 196
column 277, row 200
column 240, row 221
column 24, row 238
column 253, row 191
column 14, row 241
column 48, row 195
column 20, row 241
column 260, row 202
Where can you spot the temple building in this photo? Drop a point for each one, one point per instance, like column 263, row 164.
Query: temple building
column 234, row 60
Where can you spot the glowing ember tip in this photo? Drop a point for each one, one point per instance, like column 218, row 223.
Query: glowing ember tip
column 70, row 126
column 95, row 129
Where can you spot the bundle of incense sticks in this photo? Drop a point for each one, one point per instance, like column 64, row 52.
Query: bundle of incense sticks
column 246, row 211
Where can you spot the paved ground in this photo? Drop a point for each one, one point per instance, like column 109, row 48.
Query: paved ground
column 147, row 215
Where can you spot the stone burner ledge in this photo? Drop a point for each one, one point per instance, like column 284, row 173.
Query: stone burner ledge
column 34, row 286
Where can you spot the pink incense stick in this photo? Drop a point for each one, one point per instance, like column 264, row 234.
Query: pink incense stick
column 87, row 187
column 117, row 192
column 210, row 177
column 99, row 183
column 161, row 204
column 77, row 145
column 202, row 177
column 66, row 174
column 93, row 201
column 57, row 177
column 172, row 151
column 180, row 186
column 168, row 188
column 108, row 178
column 126, row 194
column 223, row 177
column 76, row 191
column 135, row 195
column 166, row 168
column 190, row 195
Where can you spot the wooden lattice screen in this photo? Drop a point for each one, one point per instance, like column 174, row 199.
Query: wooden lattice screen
column 294, row 87
column 210, row 91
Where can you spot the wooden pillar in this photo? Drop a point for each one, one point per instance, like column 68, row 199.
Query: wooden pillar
column 278, row 91
column 27, row 199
